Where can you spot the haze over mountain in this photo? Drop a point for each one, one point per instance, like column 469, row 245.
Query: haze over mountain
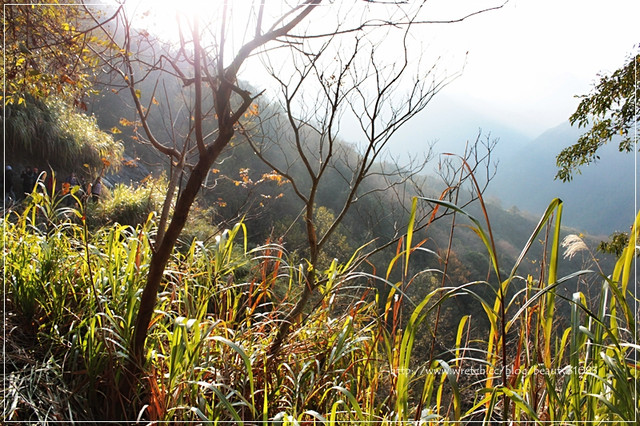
column 600, row 200
column 448, row 123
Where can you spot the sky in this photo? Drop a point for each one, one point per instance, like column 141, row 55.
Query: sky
column 529, row 60
column 523, row 64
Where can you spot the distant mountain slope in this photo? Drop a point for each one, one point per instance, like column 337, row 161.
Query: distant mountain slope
column 450, row 123
column 598, row 201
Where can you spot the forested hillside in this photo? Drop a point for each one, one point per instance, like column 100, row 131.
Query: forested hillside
column 199, row 247
column 588, row 197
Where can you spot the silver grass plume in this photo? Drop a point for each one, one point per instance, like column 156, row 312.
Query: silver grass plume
column 573, row 244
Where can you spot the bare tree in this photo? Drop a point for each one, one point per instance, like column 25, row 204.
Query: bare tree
column 328, row 81
column 340, row 68
column 211, row 68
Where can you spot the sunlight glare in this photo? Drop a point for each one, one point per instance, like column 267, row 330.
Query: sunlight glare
column 160, row 17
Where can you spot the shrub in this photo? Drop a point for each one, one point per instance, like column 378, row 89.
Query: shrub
column 128, row 204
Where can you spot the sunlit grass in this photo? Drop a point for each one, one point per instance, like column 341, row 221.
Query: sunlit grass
column 72, row 297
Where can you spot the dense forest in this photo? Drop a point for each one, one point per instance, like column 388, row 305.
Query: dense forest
column 184, row 244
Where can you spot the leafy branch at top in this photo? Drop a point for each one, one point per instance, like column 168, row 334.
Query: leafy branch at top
column 611, row 110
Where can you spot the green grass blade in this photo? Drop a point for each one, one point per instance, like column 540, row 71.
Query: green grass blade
column 412, row 219
column 247, row 364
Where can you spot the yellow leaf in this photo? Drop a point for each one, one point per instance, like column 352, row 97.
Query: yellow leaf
column 115, row 130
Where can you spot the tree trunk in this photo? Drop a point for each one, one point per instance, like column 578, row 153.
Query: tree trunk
column 157, row 265
column 291, row 317
column 166, row 206
column 310, row 283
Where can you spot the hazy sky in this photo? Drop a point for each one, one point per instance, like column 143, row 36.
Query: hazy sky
column 525, row 62
column 528, row 60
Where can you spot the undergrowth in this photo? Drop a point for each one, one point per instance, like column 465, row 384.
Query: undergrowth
column 71, row 297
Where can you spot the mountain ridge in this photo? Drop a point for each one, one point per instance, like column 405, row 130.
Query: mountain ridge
column 599, row 199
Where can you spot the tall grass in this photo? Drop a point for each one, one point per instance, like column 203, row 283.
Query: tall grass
column 72, row 296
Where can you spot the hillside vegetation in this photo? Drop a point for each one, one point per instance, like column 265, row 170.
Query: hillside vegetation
column 182, row 246
column 358, row 354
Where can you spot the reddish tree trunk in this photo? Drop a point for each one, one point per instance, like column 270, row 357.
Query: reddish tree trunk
column 159, row 262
